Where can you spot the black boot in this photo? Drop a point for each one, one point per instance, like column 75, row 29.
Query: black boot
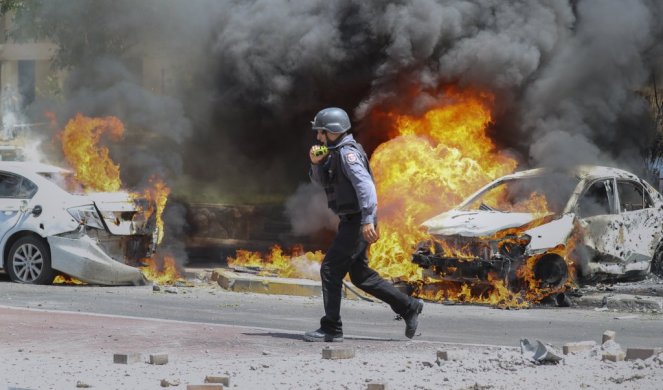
column 412, row 318
column 320, row 335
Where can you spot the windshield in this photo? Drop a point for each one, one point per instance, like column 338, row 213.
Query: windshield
column 541, row 195
column 65, row 180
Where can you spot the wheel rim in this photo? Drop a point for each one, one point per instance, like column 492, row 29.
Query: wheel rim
column 28, row 263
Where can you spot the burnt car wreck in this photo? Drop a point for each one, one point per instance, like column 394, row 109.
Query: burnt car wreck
column 544, row 229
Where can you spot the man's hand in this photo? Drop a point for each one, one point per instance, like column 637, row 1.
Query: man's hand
column 369, row 232
column 315, row 159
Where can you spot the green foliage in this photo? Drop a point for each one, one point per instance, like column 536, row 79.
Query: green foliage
column 10, row 5
column 83, row 30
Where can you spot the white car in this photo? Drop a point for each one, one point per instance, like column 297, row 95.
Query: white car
column 49, row 226
column 601, row 223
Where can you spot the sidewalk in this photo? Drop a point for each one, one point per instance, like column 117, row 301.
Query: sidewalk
column 58, row 350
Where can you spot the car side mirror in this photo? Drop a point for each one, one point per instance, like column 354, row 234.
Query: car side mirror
column 36, row 211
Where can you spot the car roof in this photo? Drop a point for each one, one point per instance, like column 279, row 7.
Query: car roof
column 580, row 171
column 24, row 167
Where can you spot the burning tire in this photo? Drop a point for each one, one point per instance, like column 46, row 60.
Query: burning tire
column 551, row 271
column 29, row 261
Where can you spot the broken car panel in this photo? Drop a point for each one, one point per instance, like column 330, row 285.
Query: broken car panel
column 599, row 222
column 48, row 225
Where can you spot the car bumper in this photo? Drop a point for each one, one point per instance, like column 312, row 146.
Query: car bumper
column 83, row 259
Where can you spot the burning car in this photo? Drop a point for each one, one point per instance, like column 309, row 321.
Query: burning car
column 540, row 228
column 49, row 226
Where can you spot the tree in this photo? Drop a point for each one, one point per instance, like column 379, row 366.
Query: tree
column 82, row 29
column 7, row 6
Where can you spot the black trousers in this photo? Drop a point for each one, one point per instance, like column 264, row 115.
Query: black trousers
column 348, row 254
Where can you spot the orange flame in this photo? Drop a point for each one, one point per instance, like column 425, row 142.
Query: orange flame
column 433, row 163
column 430, row 164
column 298, row 264
column 96, row 171
column 158, row 195
column 94, row 167
column 161, row 270
column 66, row 279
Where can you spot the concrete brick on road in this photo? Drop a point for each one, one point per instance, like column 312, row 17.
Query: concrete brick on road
column 224, row 380
column 377, row 386
column 444, row 355
column 204, row 387
column 579, row 346
column 641, row 353
column 613, row 356
column 608, row 335
column 127, row 358
column 338, row 353
column 158, row 358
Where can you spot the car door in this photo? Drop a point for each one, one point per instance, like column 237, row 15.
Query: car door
column 598, row 215
column 641, row 221
column 15, row 191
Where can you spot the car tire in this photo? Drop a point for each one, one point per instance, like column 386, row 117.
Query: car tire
column 551, row 271
column 29, row 261
column 656, row 266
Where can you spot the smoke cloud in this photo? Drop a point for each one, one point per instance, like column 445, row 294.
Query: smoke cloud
column 252, row 74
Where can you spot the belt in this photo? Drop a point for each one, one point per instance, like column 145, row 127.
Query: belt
column 349, row 217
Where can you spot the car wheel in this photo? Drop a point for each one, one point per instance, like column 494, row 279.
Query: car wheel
column 551, row 271
column 29, row 261
column 657, row 261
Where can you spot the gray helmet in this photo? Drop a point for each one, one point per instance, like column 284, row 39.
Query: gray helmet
column 332, row 119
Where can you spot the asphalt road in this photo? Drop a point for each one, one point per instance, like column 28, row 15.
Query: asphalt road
column 438, row 323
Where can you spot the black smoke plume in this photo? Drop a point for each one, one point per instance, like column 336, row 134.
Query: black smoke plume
column 250, row 76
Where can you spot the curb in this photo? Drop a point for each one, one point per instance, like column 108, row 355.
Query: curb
column 242, row 282
column 620, row 302
column 246, row 282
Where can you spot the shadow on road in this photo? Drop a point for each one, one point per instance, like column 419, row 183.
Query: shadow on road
column 290, row 336
column 297, row 336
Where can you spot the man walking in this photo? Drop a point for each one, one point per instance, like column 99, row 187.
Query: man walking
column 341, row 166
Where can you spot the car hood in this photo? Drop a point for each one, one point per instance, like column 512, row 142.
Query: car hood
column 475, row 223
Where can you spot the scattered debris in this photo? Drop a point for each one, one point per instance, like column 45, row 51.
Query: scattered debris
column 578, row 347
column 377, row 386
column 224, row 380
column 158, row 358
column 127, row 358
column 539, row 352
column 444, row 355
column 204, row 387
column 338, row 353
column 608, row 335
column 170, row 382
column 612, row 351
column 631, row 317
column 82, row 385
column 170, row 289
